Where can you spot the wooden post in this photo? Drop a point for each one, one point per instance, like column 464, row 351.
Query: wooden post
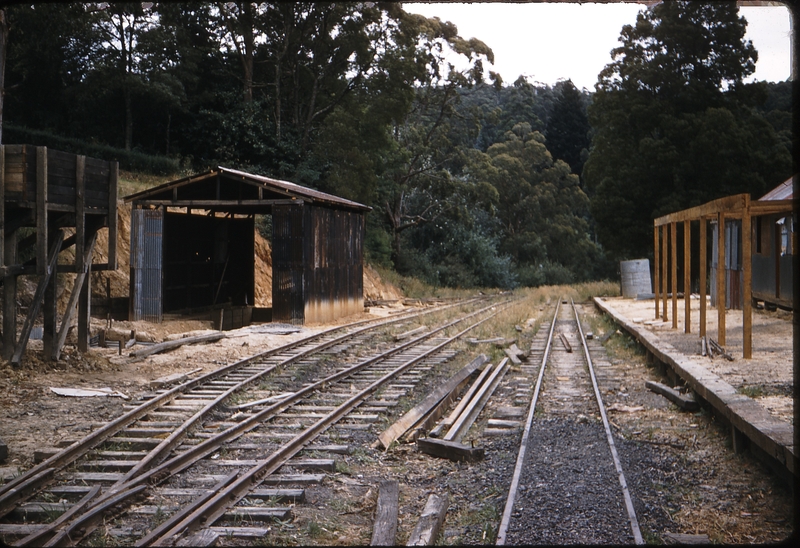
column 687, row 278
column 747, row 275
column 664, row 315
column 113, row 177
column 721, row 278
column 41, row 210
column 9, row 296
column 49, row 311
column 2, row 204
column 656, row 279
column 673, row 228
column 703, row 281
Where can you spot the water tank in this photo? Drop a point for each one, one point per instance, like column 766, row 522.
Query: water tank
column 635, row 277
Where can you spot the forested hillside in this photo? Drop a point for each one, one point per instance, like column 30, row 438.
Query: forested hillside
column 473, row 181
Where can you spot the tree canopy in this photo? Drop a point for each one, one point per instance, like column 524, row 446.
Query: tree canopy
column 674, row 123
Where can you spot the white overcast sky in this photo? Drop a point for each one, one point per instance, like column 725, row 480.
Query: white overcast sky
column 551, row 41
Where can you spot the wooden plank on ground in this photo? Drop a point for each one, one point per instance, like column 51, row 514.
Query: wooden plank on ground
column 453, row 416
column 411, row 333
column 174, row 378
column 169, row 345
column 685, row 402
column 407, row 421
column 430, row 522
column 384, row 531
column 451, row 450
column 462, row 424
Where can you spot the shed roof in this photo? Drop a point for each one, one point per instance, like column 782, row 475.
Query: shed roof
column 781, row 192
column 231, row 189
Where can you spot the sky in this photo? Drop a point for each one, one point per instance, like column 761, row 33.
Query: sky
column 547, row 41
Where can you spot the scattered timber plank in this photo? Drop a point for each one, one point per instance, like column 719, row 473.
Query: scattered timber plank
column 512, row 356
column 451, row 450
column 172, row 379
column 680, row 538
column 453, row 416
column 430, row 522
column 485, row 341
column 431, row 401
column 169, row 345
column 384, row 531
column 499, row 423
column 471, row 412
column 201, row 539
column 411, row 333
column 684, row 401
column 565, row 342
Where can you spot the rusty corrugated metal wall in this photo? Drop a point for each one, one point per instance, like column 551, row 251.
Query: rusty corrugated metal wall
column 317, row 263
column 147, row 230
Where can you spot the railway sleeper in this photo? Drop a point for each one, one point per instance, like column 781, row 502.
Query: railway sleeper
column 272, row 479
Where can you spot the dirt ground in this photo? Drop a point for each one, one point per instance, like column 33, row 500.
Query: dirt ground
column 767, row 377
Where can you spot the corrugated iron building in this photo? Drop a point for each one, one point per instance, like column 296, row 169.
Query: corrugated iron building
column 192, row 247
column 773, row 246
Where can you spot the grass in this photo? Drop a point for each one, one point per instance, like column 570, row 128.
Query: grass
column 130, row 182
column 751, row 391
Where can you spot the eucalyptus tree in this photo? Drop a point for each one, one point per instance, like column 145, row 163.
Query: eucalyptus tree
column 674, row 124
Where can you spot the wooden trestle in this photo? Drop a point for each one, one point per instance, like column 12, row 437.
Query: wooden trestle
column 54, row 193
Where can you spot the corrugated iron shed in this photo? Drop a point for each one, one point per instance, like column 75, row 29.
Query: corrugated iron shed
column 317, row 245
column 781, row 192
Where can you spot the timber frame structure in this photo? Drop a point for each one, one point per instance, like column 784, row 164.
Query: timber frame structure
column 192, row 247
column 53, row 193
column 665, row 232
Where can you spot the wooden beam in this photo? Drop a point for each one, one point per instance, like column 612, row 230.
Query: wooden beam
column 77, row 288
column 454, row 414
column 673, row 229
column 430, row 522
column 384, row 530
column 38, row 297
column 49, row 315
column 656, row 267
column 450, row 450
column 419, row 411
column 9, row 295
column 41, row 210
column 221, row 204
column 731, row 205
column 703, row 275
column 113, row 178
column 687, row 276
column 687, row 403
column 2, row 204
column 471, row 412
column 664, row 256
column 80, row 210
column 747, row 284
column 169, row 345
column 721, row 279
column 758, row 208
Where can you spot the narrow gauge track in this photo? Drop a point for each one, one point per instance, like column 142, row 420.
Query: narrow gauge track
column 568, row 485
column 164, row 420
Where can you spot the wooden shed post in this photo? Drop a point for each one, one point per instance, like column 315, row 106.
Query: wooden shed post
column 687, row 271
column 656, row 266
column 703, row 281
column 2, row 204
column 721, row 278
column 673, row 228
column 49, row 311
column 747, row 275
column 41, row 210
column 664, row 316
column 9, row 296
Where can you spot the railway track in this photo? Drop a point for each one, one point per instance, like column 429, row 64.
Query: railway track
column 192, row 460
column 565, row 457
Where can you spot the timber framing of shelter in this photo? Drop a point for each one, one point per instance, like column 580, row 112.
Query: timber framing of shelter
column 198, row 248
column 665, row 232
column 53, row 193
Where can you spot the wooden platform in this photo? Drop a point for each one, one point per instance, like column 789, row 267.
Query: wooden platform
column 751, row 424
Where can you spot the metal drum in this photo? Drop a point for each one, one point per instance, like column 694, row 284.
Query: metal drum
column 635, row 277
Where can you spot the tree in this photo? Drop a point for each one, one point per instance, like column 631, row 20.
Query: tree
column 540, row 206
column 568, row 127
column 674, row 124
